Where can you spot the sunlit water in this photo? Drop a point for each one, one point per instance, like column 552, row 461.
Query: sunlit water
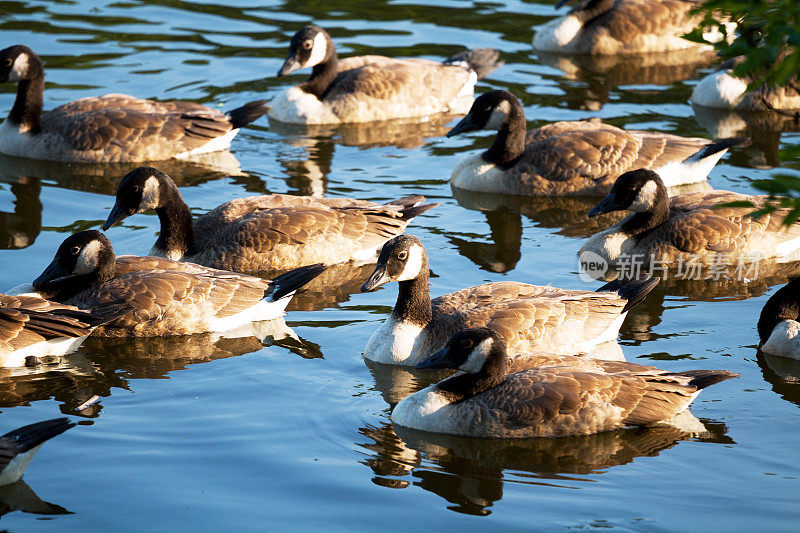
column 232, row 434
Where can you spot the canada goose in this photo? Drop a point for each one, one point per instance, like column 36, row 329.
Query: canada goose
column 779, row 323
column 690, row 226
column 166, row 297
column 571, row 158
column 34, row 327
column 109, row 128
column 18, row 447
column 621, row 27
column 268, row 232
column 527, row 316
column 565, row 396
column 369, row 88
column 722, row 90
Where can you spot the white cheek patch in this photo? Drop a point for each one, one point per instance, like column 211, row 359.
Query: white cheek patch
column 149, row 194
column 87, row 260
column 19, row 70
column 646, row 197
column 413, row 264
column 477, row 357
column 318, row 51
column 498, row 116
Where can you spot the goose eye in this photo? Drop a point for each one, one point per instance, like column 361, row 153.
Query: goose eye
column 402, row 255
column 8, row 62
column 308, row 44
column 466, row 343
column 75, row 250
column 135, row 188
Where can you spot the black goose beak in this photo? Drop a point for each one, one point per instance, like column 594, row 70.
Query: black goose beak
column 117, row 213
column 378, row 278
column 290, row 65
column 464, row 125
column 437, row 360
column 606, row 205
column 53, row 271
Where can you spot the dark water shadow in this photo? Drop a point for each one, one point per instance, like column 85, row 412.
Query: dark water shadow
column 20, row 497
column 783, row 374
column 470, row 474
column 79, row 380
column 104, row 178
column 20, row 227
column 763, row 128
column 589, row 81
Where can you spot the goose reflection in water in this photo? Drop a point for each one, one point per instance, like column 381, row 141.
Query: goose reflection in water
column 20, row 497
column 308, row 171
column 103, row 179
column 783, row 374
column 762, row 128
column 599, row 76
column 470, row 474
column 78, row 380
column 20, row 227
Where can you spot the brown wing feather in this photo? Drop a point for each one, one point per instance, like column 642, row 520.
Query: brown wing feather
column 125, row 128
column 587, row 157
column 527, row 318
column 384, row 88
column 636, row 17
column 565, row 400
column 699, row 225
column 175, row 301
column 280, row 231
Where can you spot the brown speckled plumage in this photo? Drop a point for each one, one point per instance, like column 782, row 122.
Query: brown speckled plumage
column 27, row 320
column 622, row 27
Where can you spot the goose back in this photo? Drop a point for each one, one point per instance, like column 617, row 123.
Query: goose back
column 621, row 27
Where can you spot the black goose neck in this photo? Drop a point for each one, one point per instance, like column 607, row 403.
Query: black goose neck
column 177, row 232
column 414, row 299
column 465, row 386
column 641, row 224
column 322, row 76
column 508, row 146
column 27, row 109
column 63, row 289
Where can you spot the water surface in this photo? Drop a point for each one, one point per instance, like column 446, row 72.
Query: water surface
column 216, row 434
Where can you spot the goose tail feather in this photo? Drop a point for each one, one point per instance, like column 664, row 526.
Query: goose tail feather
column 632, row 290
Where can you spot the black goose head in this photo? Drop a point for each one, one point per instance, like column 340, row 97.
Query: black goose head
column 783, row 305
column 488, row 112
column 86, row 253
column 309, row 47
column 140, row 190
column 18, row 63
column 470, row 351
column 636, row 190
column 402, row 258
